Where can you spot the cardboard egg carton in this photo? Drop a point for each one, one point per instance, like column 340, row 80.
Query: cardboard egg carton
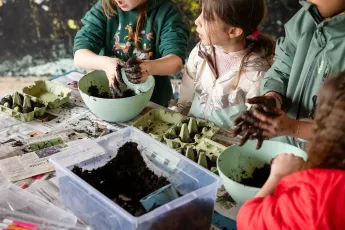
column 22, row 107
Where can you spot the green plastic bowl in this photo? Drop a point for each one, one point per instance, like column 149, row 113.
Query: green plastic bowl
column 238, row 162
column 115, row 110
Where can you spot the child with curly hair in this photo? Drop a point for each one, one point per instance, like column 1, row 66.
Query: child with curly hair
column 307, row 195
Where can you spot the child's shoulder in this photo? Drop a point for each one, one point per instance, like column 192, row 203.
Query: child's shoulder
column 195, row 55
column 302, row 21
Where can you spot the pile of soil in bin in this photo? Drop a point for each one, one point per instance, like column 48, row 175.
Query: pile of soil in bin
column 95, row 92
column 259, row 177
column 125, row 179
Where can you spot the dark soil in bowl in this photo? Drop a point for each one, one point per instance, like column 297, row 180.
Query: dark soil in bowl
column 95, row 92
column 128, row 93
column 125, row 179
column 259, row 177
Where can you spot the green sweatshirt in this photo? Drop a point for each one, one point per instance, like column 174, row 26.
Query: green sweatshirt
column 312, row 51
column 163, row 33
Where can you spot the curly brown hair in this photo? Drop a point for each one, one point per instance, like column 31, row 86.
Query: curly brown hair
column 327, row 146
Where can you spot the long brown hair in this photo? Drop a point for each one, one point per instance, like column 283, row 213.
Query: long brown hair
column 244, row 14
column 327, row 146
column 109, row 8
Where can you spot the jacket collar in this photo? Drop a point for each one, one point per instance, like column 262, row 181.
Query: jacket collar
column 337, row 20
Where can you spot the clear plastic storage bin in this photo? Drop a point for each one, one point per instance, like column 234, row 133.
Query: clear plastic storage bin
column 191, row 211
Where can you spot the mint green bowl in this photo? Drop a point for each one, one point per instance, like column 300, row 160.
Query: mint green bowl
column 115, row 110
column 238, row 162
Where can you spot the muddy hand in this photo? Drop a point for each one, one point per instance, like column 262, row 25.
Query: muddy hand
column 243, row 122
column 133, row 70
column 115, row 89
column 248, row 123
column 265, row 101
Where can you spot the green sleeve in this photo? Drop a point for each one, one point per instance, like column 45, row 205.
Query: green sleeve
column 277, row 77
column 174, row 35
column 92, row 34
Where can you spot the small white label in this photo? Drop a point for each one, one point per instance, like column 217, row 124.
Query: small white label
column 80, row 153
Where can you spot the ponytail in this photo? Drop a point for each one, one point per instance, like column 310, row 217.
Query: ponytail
column 262, row 45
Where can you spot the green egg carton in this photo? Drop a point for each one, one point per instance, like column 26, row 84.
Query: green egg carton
column 157, row 122
column 210, row 147
column 22, row 107
column 53, row 94
column 205, row 153
column 202, row 127
column 189, row 132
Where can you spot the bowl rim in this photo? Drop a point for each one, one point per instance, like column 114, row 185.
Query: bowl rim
column 131, row 97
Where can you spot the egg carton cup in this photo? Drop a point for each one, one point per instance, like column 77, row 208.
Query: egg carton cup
column 53, row 94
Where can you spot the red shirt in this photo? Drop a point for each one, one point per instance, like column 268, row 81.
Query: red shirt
column 312, row 199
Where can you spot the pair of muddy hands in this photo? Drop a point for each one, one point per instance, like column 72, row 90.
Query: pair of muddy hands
column 133, row 73
column 248, row 124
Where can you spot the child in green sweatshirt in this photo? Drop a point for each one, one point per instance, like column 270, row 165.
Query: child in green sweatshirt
column 150, row 30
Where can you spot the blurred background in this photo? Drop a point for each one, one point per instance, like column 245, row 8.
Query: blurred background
column 36, row 36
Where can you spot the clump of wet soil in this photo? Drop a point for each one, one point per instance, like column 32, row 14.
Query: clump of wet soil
column 259, row 177
column 125, row 179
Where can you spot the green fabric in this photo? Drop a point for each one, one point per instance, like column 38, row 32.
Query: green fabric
column 163, row 33
column 312, row 51
column 221, row 117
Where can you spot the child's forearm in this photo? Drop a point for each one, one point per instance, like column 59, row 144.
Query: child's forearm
column 268, row 187
column 167, row 65
column 86, row 59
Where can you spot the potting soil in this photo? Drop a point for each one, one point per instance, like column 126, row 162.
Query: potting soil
column 95, row 92
column 259, row 177
column 125, row 179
